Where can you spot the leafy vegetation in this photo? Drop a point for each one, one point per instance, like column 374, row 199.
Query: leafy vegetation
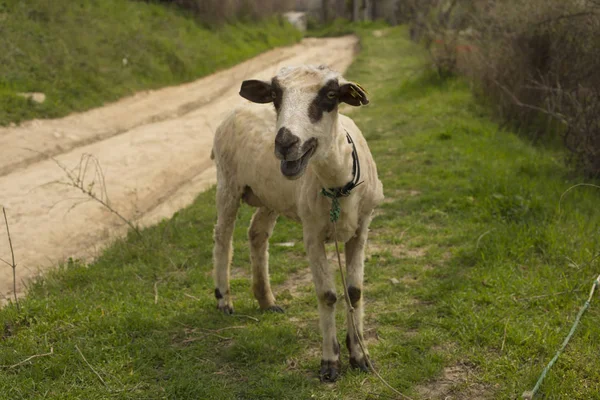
column 475, row 272
column 340, row 27
column 536, row 63
column 83, row 55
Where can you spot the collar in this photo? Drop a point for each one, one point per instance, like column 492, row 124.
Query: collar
column 345, row 190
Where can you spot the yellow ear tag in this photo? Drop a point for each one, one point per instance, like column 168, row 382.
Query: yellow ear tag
column 362, row 88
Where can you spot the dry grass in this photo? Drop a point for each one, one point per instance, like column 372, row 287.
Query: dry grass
column 458, row 382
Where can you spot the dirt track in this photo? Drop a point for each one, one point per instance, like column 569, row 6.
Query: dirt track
column 154, row 149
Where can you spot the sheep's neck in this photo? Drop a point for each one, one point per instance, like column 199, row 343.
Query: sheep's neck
column 335, row 170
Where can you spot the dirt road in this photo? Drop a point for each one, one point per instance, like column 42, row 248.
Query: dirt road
column 153, row 148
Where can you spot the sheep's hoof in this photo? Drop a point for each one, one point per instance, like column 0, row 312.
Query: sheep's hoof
column 226, row 308
column 361, row 364
column 276, row 309
column 330, row 371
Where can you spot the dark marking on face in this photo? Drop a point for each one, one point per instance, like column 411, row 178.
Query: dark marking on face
column 329, row 298
column 218, row 294
column 354, row 293
column 323, row 102
column 285, row 142
column 277, row 93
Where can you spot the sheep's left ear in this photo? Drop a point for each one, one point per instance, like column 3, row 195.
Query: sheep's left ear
column 353, row 94
column 256, row 91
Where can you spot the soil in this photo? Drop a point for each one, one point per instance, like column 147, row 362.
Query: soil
column 153, row 149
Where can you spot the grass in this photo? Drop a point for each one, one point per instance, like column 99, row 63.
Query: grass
column 488, row 276
column 340, row 27
column 86, row 54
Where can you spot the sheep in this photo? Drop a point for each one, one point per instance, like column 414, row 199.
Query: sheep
column 279, row 159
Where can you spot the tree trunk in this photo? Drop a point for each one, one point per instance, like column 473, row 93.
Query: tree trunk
column 367, row 10
column 374, row 10
column 355, row 10
column 340, row 9
column 325, row 4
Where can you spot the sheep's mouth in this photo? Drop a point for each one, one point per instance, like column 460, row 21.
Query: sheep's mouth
column 294, row 169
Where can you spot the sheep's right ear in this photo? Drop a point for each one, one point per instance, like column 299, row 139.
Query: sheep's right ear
column 256, row 91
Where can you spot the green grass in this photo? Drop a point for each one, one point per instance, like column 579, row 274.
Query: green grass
column 490, row 276
column 340, row 27
column 86, row 53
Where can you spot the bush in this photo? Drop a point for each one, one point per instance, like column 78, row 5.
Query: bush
column 536, row 62
column 218, row 11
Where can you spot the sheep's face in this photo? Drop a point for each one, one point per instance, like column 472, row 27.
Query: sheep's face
column 306, row 99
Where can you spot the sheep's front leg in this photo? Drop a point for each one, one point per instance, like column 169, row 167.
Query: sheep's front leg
column 323, row 278
column 355, row 257
column 227, row 208
column 259, row 232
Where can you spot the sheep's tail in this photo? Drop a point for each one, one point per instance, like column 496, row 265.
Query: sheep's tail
column 212, row 154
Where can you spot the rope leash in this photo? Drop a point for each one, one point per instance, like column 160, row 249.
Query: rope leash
column 529, row 394
column 353, row 319
column 334, row 215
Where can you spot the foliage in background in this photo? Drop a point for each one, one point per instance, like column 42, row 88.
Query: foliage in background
column 85, row 53
column 219, row 11
column 536, row 62
column 473, row 277
column 340, row 27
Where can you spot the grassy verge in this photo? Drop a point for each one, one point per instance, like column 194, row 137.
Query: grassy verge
column 340, row 27
column 473, row 277
column 83, row 55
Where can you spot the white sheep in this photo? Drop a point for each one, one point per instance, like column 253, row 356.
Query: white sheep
column 279, row 160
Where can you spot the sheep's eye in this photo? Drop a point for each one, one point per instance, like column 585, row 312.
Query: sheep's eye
column 273, row 94
column 331, row 94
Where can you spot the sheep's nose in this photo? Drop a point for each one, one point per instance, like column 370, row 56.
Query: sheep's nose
column 285, row 141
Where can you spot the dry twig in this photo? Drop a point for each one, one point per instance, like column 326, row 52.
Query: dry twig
column 78, row 178
column 191, row 297
column 246, row 316
column 28, row 359
column 156, row 292
column 13, row 265
column 504, row 337
column 90, row 365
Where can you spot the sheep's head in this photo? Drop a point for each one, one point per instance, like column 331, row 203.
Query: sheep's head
column 306, row 99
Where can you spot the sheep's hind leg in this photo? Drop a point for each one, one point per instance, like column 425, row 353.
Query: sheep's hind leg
column 355, row 256
column 228, row 203
column 259, row 232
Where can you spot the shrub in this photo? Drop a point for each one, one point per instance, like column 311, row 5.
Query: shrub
column 536, row 62
column 218, row 11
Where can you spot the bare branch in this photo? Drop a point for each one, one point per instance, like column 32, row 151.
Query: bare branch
column 567, row 16
column 561, row 118
column 28, row 359
column 90, row 365
column 77, row 179
column 13, row 265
